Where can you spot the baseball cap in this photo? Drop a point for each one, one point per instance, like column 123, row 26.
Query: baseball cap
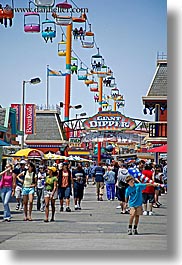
column 23, row 162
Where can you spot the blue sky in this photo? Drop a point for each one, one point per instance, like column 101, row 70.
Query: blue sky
column 129, row 33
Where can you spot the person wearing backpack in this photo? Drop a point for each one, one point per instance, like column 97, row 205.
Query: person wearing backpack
column 29, row 183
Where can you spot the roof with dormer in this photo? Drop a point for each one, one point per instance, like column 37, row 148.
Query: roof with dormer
column 48, row 128
column 158, row 87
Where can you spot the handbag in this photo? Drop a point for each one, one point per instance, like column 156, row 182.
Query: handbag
column 1, row 182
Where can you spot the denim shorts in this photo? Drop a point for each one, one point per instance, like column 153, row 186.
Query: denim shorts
column 27, row 191
column 48, row 193
column 64, row 193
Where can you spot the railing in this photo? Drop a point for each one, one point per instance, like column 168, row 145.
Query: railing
column 49, row 107
column 158, row 129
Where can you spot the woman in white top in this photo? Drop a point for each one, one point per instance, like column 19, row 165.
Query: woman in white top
column 29, row 184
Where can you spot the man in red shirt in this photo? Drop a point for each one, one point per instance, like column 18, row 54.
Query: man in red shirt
column 148, row 193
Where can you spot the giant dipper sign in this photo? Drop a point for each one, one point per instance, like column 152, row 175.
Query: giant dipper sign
column 109, row 121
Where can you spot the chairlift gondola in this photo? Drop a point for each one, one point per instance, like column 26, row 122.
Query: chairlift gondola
column 7, row 13
column 63, row 20
column 74, row 65
column 103, row 72
column 44, row 3
column 88, row 41
column 62, row 47
column 114, row 92
column 96, row 61
column 34, row 25
column 48, row 29
column 82, row 73
column 94, row 87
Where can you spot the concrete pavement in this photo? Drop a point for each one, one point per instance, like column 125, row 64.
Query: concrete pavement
column 98, row 226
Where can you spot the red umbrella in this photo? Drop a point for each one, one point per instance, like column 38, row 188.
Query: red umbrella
column 159, row 149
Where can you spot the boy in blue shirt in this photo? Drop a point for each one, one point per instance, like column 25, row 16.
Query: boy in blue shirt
column 133, row 194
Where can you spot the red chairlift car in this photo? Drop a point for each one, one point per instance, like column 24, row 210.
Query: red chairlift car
column 34, row 24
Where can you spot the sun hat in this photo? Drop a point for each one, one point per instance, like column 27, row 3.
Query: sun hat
column 54, row 169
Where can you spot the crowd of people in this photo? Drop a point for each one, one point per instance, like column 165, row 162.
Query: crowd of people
column 62, row 181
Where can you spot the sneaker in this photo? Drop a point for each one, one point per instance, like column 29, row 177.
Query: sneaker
column 129, row 231
column 17, row 206
column 42, row 209
column 118, row 207
column 68, row 209
column 76, row 207
column 79, row 208
column 155, row 206
column 135, row 232
column 145, row 213
column 21, row 209
column 61, row 209
column 150, row 213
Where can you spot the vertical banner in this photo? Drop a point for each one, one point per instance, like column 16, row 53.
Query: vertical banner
column 29, row 118
column 18, row 109
column 71, row 133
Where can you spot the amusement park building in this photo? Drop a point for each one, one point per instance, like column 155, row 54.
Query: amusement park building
column 156, row 100
column 49, row 135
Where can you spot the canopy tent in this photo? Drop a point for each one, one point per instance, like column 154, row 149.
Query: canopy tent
column 51, row 156
column 29, row 153
column 159, row 149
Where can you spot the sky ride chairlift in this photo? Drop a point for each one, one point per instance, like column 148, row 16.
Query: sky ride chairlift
column 94, row 87
column 74, row 65
column 88, row 41
column 96, row 62
column 90, row 79
column 6, row 13
column 34, row 25
column 79, row 32
column 44, row 3
column 82, row 73
column 63, row 20
column 48, row 30
column 62, row 47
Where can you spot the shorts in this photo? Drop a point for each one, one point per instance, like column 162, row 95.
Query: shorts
column 136, row 210
column 64, row 193
column 78, row 193
column 18, row 192
column 121, row 194
column 48, row 193
column 27, row 191
column 148, row 197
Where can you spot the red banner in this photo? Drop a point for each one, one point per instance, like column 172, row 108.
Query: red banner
column 29, row 118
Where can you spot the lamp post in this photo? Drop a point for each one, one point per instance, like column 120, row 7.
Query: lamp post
column 81, row 114
column 32, row 81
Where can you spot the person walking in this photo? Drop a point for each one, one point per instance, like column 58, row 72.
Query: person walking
column 19, row 168
column 41, row 176
column 79, row 182
column 64, row 186
column 133, row 195
column 49, row 193
column 121, row 187
column 148, row 193
column 98, row 173
column 109, row 178
column 7, row 189
column 29, row 183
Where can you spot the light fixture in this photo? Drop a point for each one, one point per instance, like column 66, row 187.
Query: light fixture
column 35, row 80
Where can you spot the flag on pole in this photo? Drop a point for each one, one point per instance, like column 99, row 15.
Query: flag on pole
column 55, row 73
